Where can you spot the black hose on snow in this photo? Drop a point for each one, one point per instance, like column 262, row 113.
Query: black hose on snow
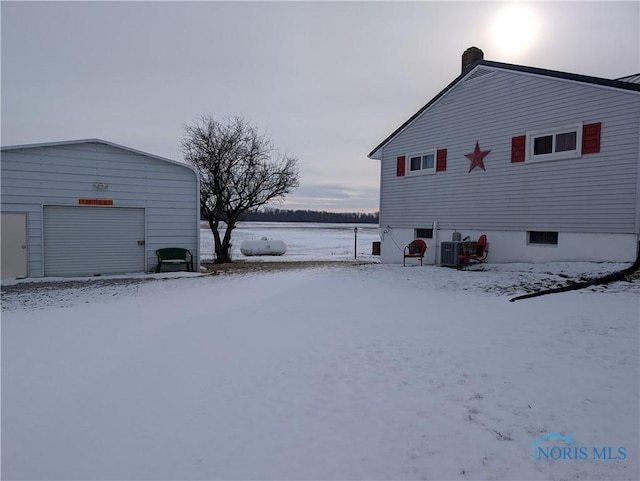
column 614, row 276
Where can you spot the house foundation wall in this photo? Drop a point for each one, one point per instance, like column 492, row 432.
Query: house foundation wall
column 513, row 246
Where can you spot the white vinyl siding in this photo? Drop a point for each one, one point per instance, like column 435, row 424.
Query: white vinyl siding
column 593, row 193
column 87, row 241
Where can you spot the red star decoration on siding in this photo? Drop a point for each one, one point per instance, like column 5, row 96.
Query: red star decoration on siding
column 476, row 157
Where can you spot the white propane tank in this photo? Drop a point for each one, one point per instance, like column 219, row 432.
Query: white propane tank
column 263, row 247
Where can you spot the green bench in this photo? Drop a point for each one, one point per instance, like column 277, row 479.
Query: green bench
column 174, row 256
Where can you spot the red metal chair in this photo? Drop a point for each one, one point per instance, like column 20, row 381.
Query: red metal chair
column 474, row 251
column 415, row 249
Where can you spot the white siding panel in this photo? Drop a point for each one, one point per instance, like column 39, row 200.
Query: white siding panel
column 86, row 240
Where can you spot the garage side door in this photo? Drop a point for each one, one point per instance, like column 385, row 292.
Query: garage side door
column 87, row 240
column 14, row 245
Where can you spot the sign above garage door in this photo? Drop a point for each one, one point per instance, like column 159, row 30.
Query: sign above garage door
column 92, row 240
column 95, row 201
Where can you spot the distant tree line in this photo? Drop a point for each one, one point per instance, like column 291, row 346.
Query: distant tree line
column 285, row 215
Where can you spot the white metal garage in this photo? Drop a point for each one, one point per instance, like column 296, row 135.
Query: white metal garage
column 91, row 207
column 87, row 240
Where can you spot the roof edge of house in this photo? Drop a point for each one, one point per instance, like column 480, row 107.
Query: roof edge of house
column 619, row 84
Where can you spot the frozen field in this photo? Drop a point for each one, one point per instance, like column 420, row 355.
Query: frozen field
column 305, row 240
column 340, row 373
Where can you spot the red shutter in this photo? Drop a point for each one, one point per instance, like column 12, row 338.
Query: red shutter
column 400, row 166
column 591, row 138
column 441, row 160
column 518, row 148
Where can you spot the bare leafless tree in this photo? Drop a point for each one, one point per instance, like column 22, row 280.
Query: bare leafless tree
column 239, row 170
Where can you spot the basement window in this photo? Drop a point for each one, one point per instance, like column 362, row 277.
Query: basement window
column 543, row 238
column 553, row 144
column 424, row 233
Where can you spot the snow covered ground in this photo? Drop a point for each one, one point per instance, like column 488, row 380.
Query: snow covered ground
column 341, row 372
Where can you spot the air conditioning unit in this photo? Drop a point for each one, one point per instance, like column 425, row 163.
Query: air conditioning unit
column 449, row 252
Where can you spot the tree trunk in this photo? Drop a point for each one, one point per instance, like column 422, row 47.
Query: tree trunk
column 221, row 245
column 224, row 254
column 221, row 254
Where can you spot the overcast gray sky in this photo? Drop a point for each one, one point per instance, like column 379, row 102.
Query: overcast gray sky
column 327, row 81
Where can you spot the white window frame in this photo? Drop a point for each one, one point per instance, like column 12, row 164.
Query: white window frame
column 567, row 154
column 421, row 171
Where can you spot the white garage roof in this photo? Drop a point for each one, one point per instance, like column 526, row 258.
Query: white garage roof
column 96, row 141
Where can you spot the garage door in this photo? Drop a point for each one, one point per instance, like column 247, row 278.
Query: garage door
column 87, row 240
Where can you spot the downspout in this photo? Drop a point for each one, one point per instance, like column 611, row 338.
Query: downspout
column 637, row 219
column 435, row 242
column 196, row 267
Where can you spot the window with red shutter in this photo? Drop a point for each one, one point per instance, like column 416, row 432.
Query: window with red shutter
column 557, row 143
column 441, row 160
column 518, row 148
column 591, row 138
column 400, row 166
column 423, row 163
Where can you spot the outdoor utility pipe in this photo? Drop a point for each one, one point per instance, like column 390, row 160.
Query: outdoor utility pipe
column 355, row 243
column 435, row 242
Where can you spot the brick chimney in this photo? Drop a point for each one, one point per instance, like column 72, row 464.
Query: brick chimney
column 471, row 56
